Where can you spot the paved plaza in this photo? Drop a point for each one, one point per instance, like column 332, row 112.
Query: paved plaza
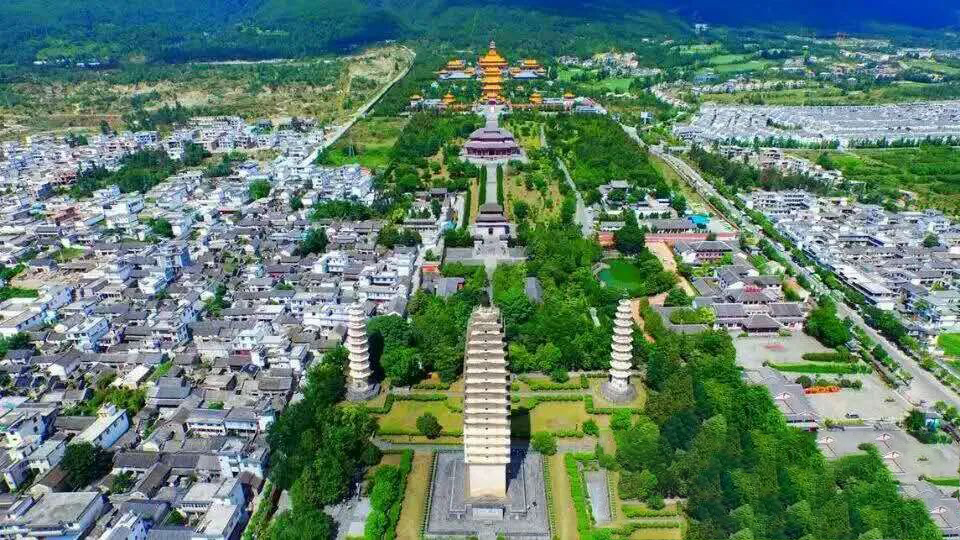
column 524, row 510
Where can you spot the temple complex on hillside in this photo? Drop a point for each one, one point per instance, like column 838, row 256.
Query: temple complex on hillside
column 491, row 70
column 492, row 60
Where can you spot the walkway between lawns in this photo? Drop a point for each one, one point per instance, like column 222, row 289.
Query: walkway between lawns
column 491, row 184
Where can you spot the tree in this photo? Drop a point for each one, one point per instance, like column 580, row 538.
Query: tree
column 429, row 426
column 323, row 482
column 677, row 297
column 302, row 524
column 193, row 154
column 315, row 241
column 296, row 203
column 679, row 203
column 259, row 189
column 326, row 382
column 825, row 161
column 105, row 128
column 637, row 446
column 931, row 241
column 84, row 463
column 161, row 227
column 401, row 365
column 122, row 482
column 630, row 239
column 824, row 325
column 521, row 210
column 544, row 442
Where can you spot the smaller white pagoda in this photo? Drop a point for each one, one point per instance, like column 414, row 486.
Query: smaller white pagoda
column 617, row 388
column 359, row 385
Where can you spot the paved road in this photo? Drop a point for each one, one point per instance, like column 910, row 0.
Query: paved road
column 924, row 387
column 491, row 184
column 583, row 215
column 360, row 113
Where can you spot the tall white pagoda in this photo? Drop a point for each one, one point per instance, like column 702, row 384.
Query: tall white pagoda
column 359, row 386
column 486, row 407
column 617, row 388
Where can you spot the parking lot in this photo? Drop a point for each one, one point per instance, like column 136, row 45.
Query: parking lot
column 875, row 401
column 752, row 352
column 904, row 455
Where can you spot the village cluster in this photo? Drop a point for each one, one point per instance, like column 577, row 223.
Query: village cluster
column 117, row 307
column 840, row 125
column 891, row 258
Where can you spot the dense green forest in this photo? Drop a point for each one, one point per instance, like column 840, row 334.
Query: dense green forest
column 179, row 30
column 708, row 436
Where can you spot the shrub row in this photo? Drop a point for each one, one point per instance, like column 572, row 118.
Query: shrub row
column 393, row 516
column 432, row 386
column 386, row 499
column 825, row 367
column 539, row 386
column 827, row 357
column 578, row 492
column 261, row 517
column 591, row 409
column 629, row 528
column 636, row 511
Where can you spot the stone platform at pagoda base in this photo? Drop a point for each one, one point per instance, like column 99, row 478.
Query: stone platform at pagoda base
column 356, row 395
column 618, row 395
column 522, row 514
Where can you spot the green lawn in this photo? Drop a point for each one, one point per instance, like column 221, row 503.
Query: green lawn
column 618, row 84
column 750, row 65
column 613, row 84
column 934, row 66
column 622, row 274
column 700, row 48
column 403, row 416
column 950, row 343
column 67, row 254
column 722, row 59
column 369, row 143
column 567, row 74
column 548, row 416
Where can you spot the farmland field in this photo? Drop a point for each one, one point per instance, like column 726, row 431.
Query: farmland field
column 368, row 143
column 950, row 343
column 932, row 172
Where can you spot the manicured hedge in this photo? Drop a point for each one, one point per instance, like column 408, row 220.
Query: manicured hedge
column 636, row 511
column 823, row 367
column 386, row 499
column 827, row 357
column 578, row 492
column 540, row 386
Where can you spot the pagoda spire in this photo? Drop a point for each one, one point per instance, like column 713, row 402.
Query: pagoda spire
column 359, row 386
column 617, row 387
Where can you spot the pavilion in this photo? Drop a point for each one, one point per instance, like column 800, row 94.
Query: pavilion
column 492, row 143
